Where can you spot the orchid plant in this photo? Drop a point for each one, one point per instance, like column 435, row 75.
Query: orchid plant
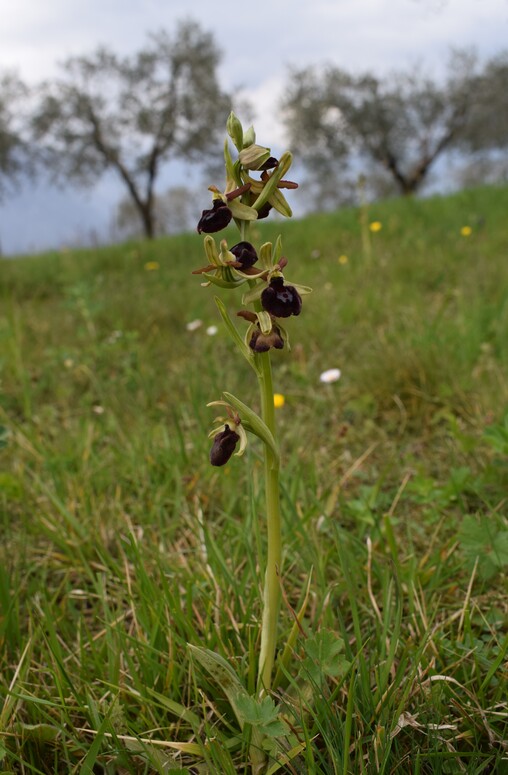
column 255, row 182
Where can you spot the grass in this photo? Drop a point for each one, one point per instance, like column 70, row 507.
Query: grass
column 121, row 544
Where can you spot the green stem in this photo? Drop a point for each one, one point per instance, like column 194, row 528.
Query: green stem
column 271, row 592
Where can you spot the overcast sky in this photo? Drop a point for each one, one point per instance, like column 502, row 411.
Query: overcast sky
column 259, row 41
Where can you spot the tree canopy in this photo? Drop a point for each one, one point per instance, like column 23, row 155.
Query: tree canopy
column 132, row 114
column 401, row 123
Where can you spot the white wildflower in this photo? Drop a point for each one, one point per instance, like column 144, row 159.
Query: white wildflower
column 330, row 375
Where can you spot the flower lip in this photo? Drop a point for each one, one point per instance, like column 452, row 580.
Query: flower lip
column 245, row 254
column 223, row 446
column 215, row 219
column 270, row 163
column 261, row 343
column 281, row 300
column 264, row 211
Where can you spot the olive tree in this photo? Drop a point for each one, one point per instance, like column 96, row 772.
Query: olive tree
column 17, row 154
column 15, row 151
column 132, row 114
column 399, row 124
column 486, row 127
column 173, row 210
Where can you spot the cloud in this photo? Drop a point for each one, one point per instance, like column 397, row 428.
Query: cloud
column 265, row 99
column 258, row 47
column 359, row 35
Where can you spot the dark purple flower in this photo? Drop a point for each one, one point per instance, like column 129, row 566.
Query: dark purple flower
column 264, row 210
column 223, row 446
column 215, row 219
column 261, row 343
column 245, row 254
column 281, row 300
column 270, row 163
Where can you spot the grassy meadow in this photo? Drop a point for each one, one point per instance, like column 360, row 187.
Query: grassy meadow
column 121, row 544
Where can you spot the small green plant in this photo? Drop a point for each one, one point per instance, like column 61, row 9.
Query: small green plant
column 267, row 300
column 484, row 544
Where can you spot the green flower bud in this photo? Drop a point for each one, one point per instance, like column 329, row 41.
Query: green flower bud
column 235, row 130
column 249, row 137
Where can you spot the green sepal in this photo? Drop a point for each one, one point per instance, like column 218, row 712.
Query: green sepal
column 237, row 168
column 253, row 423
column 280, row 203
column 277, row 253
column 227, row 274
column 211, row 250
column 265, row 321
column 265, row 255
column 250, row 277
column 233, row 332
column 222, row 283
column 276, row 176
column 303, row 290
column 241, row 211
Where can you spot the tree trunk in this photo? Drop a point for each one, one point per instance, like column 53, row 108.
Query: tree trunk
column 147, row 218
column 405, row 184
column 412, row 184
column 145, row 207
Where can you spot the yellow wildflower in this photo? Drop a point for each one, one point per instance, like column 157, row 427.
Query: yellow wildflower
column 343, row 259
column 466, row 231
column 151, row 266
column 375, row 226
column 278, row 400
